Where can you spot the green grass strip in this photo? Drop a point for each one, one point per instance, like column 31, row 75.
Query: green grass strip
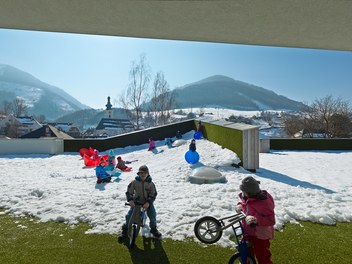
column 26, row 240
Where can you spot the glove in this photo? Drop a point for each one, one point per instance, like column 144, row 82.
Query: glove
column 132, row 204
column 251, row 220
column 238, row 208
column 146, row 205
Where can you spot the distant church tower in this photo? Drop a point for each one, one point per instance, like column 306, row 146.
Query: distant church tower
column 108, row 110
column 109, row 126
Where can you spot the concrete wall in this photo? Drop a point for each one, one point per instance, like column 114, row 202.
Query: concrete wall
column 241, row 138
column 251, row 148
column 130, row 139
column 264, row 145
column 250, row 145
column 31, row 146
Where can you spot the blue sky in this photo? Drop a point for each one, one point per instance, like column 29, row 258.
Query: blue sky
column 91, row 67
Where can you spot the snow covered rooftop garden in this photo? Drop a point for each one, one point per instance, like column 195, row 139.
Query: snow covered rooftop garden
column 306, row 185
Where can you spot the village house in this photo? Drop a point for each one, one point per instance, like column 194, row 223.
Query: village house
column 15, row 127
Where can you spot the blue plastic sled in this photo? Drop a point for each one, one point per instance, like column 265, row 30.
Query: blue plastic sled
column 197, row 135
column 192, row 157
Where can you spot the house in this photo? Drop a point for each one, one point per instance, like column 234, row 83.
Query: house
column 15, row 127
column 68, row 128
column 47, row 131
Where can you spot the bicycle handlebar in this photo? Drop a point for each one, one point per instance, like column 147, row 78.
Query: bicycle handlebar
column 244, row 216
column 136, row 203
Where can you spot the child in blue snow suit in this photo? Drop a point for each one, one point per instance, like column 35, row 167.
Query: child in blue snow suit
column 168, row 142
column 101, row 173
column 111, row 161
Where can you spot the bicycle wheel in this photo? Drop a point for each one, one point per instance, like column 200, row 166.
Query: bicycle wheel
column 236, row 259
column 207, row 229
column 132, row 236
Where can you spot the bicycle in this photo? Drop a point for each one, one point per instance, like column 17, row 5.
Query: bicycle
column 137, row 220
column 208, row 230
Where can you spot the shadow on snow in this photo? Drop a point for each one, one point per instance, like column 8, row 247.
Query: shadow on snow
column 264, row 173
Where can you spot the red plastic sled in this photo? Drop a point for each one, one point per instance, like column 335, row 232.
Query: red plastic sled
column 93, row 161
column 89, row 152
column 85, row 151
column 127, row 169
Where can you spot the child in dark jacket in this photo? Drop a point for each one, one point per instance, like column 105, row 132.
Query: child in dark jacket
column 258, row 226
column 121, row 164
column 192, row 146
column 142, row 191
column 199, row 127
column 178, row 134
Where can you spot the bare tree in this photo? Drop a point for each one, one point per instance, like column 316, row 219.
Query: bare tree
column 11, row 129
column 340, row 126
column 162, row 99
column 156, row 91
column 327, row 116
column 6, row 107
column 136, row 93
column 40, row 118
column 19, row 107
column 125, row 104
column 325, row 108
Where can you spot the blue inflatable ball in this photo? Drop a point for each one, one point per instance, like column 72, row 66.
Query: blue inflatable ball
column 197, row 135
column 192, row 157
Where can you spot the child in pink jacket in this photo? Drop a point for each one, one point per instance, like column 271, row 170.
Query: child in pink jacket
column 258, row 226
column 151, row 144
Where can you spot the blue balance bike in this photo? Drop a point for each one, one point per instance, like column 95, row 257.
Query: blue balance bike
column 209, row 230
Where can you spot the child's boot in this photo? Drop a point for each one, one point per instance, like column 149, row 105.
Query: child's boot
column 155, row 232
column 123, row 234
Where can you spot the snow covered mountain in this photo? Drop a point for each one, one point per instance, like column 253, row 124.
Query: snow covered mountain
column 225, row 92
column 41, row 98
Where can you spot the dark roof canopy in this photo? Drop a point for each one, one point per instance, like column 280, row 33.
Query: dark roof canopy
column 321, row 24
column 46, row 131
column 112, row 123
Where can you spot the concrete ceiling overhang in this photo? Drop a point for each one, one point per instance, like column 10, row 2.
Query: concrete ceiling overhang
column 318, row 24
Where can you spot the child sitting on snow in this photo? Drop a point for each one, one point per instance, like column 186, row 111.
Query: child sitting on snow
column 168, row 142
column 111, row 161
column 178, row 134
column 121, row 164
column 151, row 144
column 101, row 173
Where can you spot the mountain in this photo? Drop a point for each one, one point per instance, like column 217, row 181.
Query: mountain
column 41, row 98
column 222, row 91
